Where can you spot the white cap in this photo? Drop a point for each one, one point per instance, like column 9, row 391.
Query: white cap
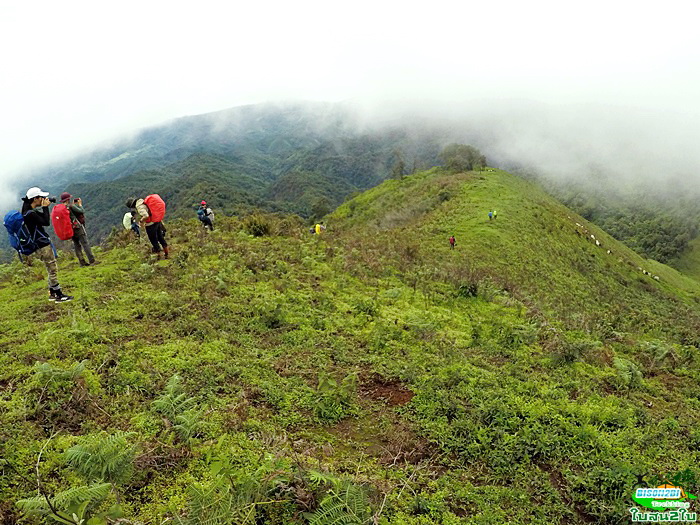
column 36, row 192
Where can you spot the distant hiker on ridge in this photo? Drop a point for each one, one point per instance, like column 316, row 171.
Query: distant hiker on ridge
column 205, row 215
column 28, row 237
column 452, row 242
column 151, row 212
column 490, row 215
column 77, row 220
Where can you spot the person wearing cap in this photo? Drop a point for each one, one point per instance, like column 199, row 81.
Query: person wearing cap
column 205, row 215
column 77, row 219
column 154, row 230
column 35, row 210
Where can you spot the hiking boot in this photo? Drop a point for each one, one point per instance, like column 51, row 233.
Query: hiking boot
column 167, row 252
column 83, row 263
column 52, row 295
column 61, row 298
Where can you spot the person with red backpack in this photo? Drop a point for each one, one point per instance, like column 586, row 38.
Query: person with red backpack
column 76, row 215
column 151, row 212
column 35, row 211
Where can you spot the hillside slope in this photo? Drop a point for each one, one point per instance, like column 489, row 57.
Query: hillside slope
column 689, row 262
column 535, row 247
column 524, row 377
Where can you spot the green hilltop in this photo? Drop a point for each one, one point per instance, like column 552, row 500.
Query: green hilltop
column 367, row 375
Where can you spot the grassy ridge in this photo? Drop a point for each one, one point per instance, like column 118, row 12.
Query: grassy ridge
column 445, row 386
column 534, row 247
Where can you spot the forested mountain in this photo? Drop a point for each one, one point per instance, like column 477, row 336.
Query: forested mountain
column 659, row 223
column 300, row 158
column 536, row 373
column 308, row 158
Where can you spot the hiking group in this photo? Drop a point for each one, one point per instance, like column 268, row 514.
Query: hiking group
column 492, row 216
column 30, row 239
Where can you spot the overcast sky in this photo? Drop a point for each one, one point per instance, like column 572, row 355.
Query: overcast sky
column 75, row 73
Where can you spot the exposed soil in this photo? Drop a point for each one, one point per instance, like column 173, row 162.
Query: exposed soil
column 391, row 392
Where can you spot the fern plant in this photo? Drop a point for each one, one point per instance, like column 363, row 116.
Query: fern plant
column 628, row 374
column 179, row 409
column 73, row 506
column 174, row 401
column 46, row 372
column 187, row 425
column 346, row 505
column 223, row 501
column 103, row 457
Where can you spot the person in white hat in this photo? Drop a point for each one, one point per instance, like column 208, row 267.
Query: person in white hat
column 35, row 210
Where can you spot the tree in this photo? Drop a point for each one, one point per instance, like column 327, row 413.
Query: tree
column 461, row 157
column 321, row 207
column 399, row 169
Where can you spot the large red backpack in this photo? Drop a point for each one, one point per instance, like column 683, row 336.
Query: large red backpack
column 62, row 225
column 156, row 207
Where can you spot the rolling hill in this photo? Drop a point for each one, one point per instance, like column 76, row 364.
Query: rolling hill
column 367, row 375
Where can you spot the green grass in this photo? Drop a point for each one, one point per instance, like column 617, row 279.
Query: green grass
column 512, row 380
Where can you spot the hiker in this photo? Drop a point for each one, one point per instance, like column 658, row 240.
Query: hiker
column 77, row 219
column 151, row 212
column 495, row 214
column 205, row 215
column 452, row 242
column 319, row 228
column 35, row 211
column 490, row 215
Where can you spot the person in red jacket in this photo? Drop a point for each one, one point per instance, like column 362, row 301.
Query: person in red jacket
column 77, row 219
column 452, row 242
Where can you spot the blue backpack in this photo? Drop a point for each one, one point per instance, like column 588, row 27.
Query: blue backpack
column 20, row 238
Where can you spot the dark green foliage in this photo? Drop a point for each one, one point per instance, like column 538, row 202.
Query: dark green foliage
column 459, row 158
column 571, row 350
column 257, row 225
column 658, row 224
